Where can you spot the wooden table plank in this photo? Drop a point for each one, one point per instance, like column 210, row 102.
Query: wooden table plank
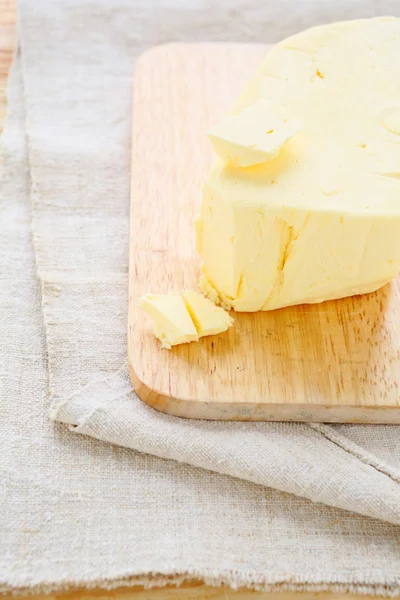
column 7, row 41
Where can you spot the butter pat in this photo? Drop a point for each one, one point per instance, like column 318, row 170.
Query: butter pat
column 181, row 319
column 254, row 136
column 172, row 322
column 207, row 318
column 321, row 220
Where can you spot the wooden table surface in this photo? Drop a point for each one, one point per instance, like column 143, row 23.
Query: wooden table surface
column 194, row 590
column 7, row 41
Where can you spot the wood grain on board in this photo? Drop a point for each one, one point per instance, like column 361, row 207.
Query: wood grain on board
column 194, row 590
column 338, row 361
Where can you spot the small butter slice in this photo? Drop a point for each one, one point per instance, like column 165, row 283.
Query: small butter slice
column 254, row 136
column 208, row 318
column 172, row 322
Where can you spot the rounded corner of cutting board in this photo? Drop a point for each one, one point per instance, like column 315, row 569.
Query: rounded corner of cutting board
column 155, row 399
column 151, row 56
column 144, row 392
column 181, row 407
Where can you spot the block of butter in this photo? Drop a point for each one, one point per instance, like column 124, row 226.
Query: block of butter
column 320, row 220
column 179, row 319
column 172, row 322
column 254, row 136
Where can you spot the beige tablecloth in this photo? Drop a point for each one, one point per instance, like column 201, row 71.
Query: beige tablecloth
column 82, row 512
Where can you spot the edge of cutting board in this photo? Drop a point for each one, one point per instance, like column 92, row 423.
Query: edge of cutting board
column 180, row 89
column 220, row 411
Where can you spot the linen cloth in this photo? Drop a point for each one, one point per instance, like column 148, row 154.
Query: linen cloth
column 81, row 512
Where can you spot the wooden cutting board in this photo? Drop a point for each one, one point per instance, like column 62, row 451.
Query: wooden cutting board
column 337, row 362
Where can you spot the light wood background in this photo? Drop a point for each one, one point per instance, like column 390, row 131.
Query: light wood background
column 7, row 40
column 338, row 361
column 193, row 590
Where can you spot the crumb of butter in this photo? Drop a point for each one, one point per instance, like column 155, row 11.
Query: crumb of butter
column 210, row 292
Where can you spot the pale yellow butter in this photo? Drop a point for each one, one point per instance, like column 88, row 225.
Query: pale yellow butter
column 254, row 136
column 207, row 318
column 391, row 120
column 172, row 322
column 321, row 220
column 181, row 319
